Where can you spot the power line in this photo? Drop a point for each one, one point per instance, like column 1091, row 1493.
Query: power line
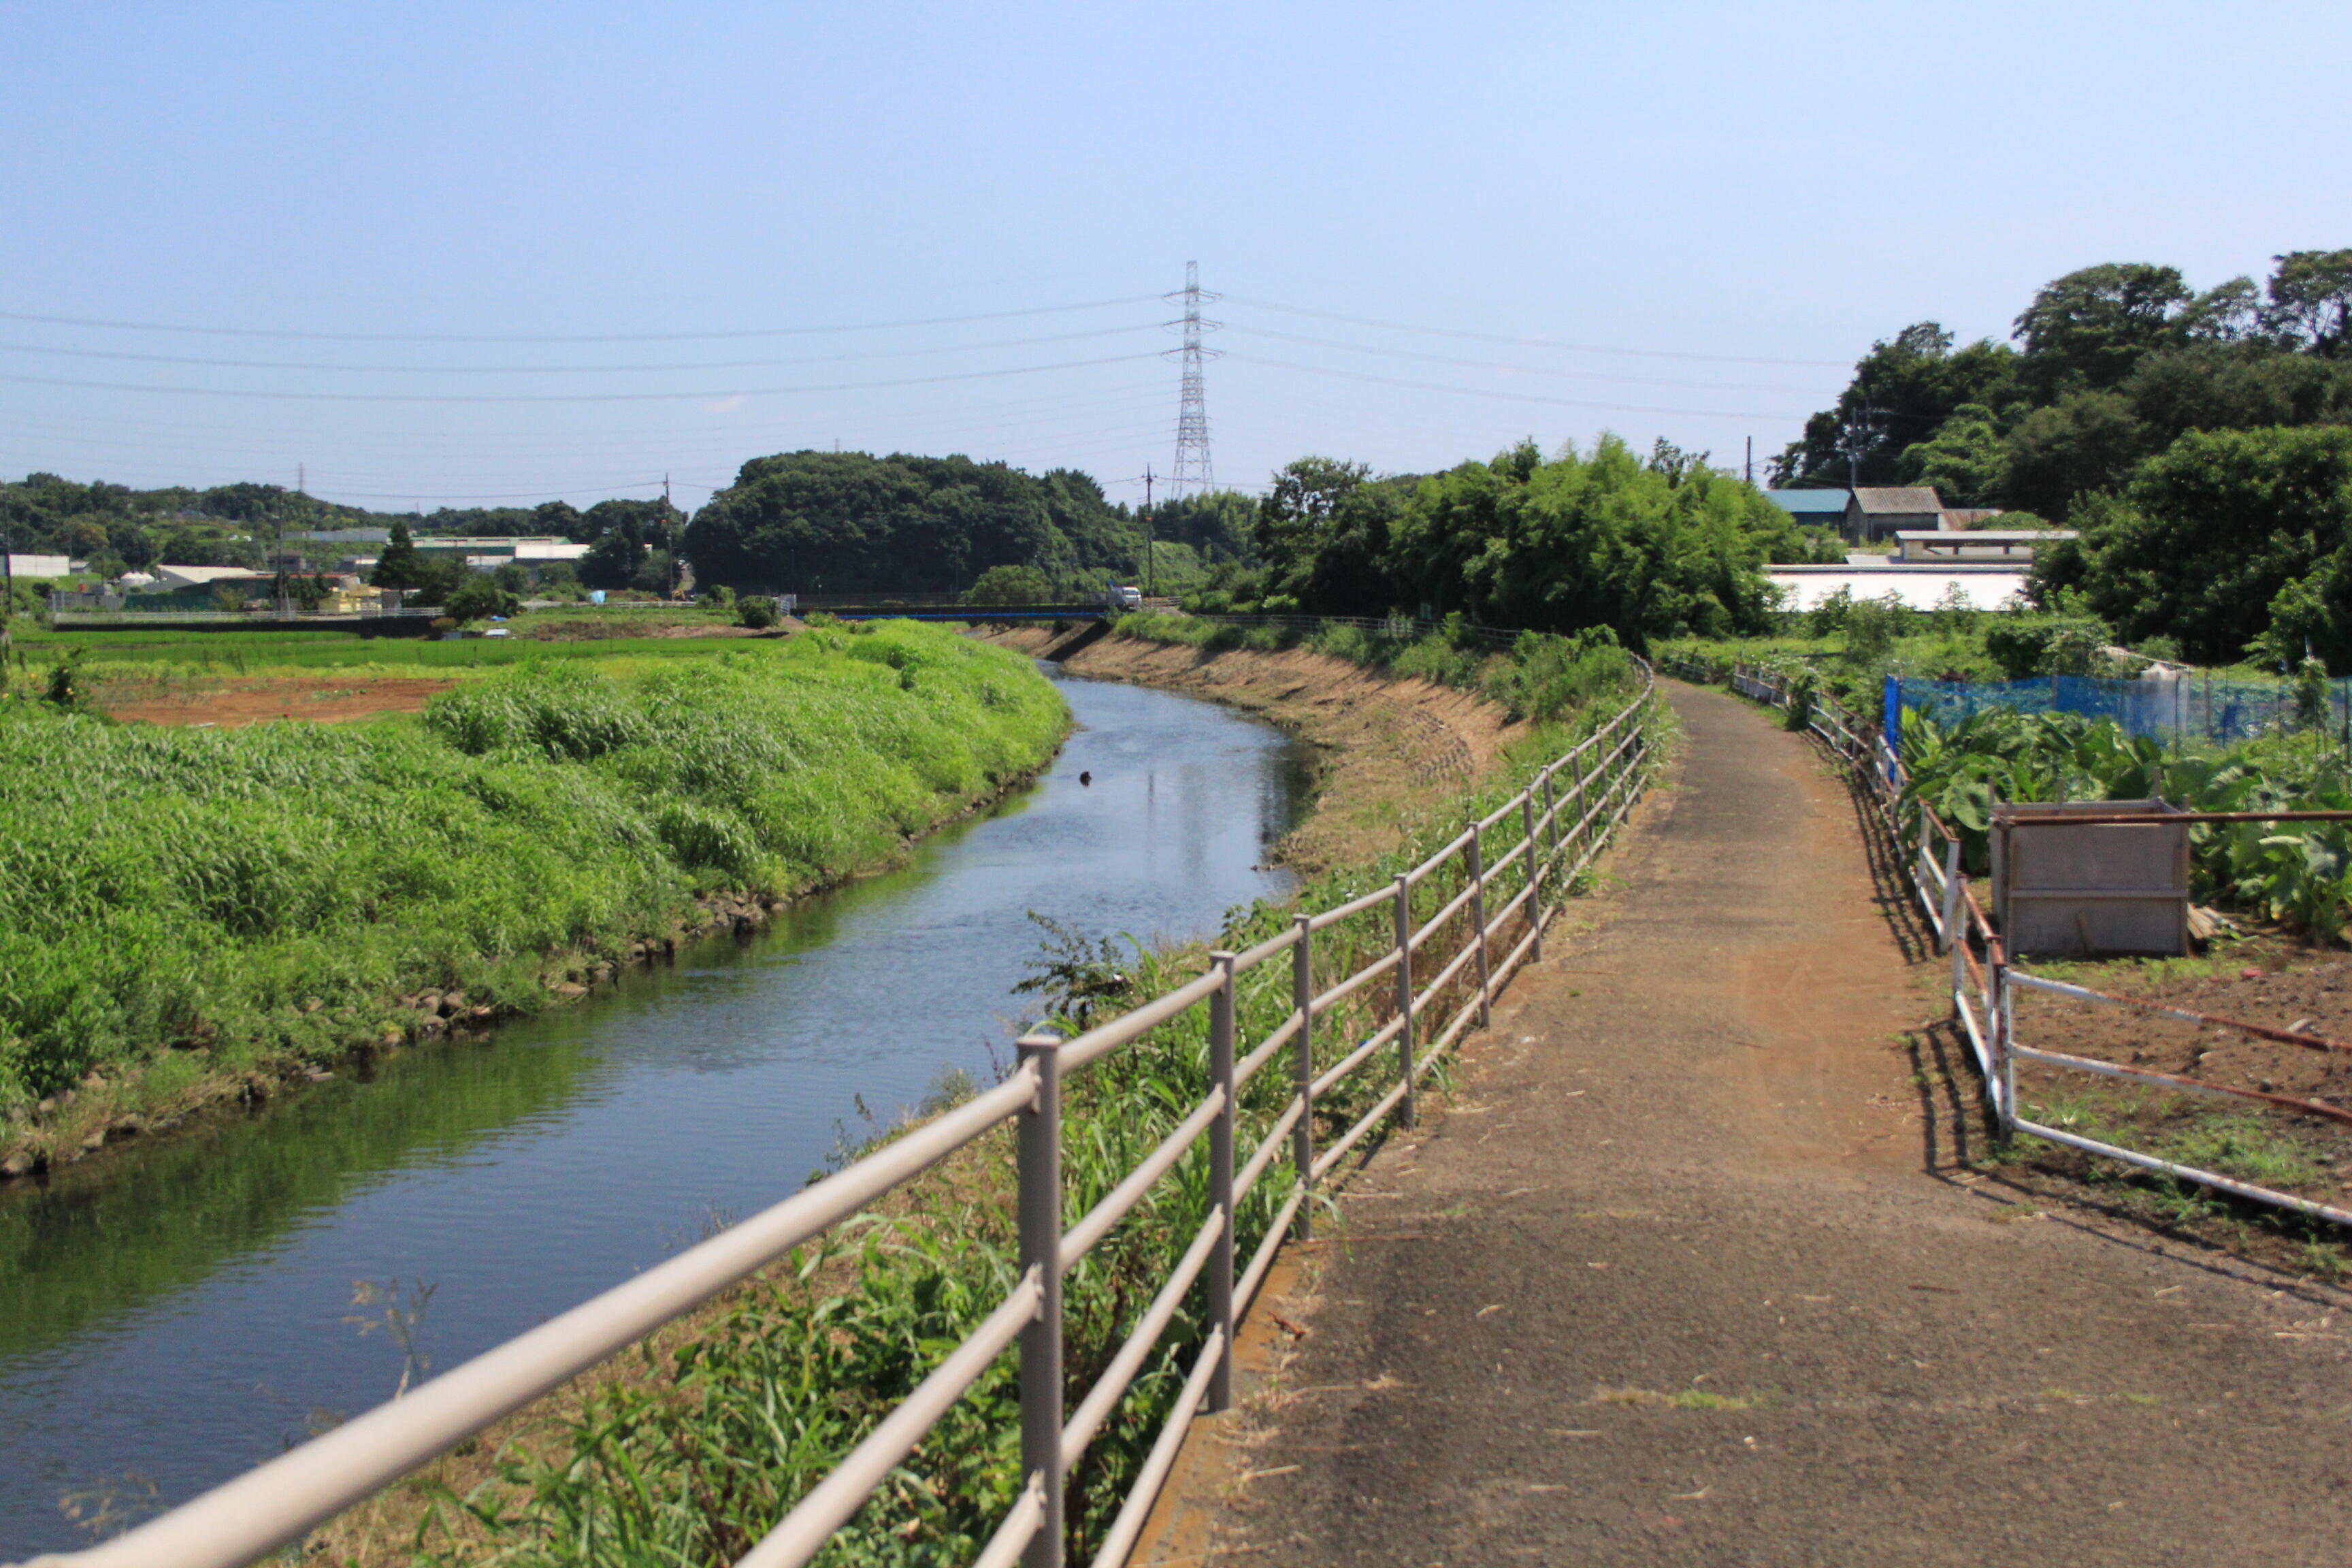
column 1535, row 342
column 1520, row 369
column 445, row 497
column 567, row 397
column 45, row 415
column 560, row 369
column 576, row 337
column 1515, row 396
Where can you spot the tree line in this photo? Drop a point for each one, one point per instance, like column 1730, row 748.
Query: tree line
column 117, row 529
column 2199, row 441
column 2111, row 365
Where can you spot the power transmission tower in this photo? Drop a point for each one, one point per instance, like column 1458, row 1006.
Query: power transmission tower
column 1194, row 472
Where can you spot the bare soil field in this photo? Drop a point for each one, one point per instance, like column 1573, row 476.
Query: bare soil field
column 232, row 704
column 2271, row 983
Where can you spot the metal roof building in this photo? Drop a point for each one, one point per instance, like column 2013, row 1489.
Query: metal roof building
column 1812, row 506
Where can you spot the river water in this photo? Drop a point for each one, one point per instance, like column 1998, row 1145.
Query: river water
column 171, row 1315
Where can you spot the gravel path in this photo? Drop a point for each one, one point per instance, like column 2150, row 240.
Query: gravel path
column 1686, row 1274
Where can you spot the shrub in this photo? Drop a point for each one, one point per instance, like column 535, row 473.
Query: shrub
column 1870, row 628
column 479, row 598
column 2025, row 645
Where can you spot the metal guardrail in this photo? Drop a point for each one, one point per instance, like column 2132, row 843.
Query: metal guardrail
column 1984, row 993
column 1552, row 830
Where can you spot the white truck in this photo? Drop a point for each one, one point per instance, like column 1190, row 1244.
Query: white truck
column 1122, row 598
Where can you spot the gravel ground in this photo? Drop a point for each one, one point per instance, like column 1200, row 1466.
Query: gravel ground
column 1692, row 1270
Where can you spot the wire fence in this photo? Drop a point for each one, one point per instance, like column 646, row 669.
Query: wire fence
column 1457, row 926
column 2184, row 710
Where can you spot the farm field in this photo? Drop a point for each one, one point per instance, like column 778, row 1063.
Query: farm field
column 179, row 675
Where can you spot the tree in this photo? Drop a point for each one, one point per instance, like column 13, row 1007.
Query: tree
column 2311, row 301
column 1902, row 392
column 561, row 518
column 617, row 557
column 1966, row 459
column 1219, row 524
column 401, row 564
column 1293, row 515
column 1590, row 540
column 2091, row 328
column 1013, row 585
column 652, row 519
column 2087, row 441
column 2210, row 532
column 479, row 598
column 852, row 523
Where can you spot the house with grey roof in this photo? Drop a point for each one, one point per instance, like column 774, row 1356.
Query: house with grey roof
column 1881, row 512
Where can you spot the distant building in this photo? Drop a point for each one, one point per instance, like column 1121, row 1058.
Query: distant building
column 1880, row 512
column 1942, row 545
column 172, row 579
column 490, row 555
column 342, row 536
column 1826, row 509
column 1983, row 586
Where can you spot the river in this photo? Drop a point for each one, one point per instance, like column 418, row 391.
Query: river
column 174, row 1314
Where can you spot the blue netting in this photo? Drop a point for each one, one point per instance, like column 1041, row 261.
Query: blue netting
column 2188, row 710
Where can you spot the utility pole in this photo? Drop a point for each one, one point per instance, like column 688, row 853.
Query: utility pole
column 8, row 575
column 277, row 514
column 1751, row 459
column 669, row 534
column 1193, row 470
column 1150, row 552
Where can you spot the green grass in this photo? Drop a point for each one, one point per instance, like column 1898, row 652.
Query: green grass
column 171, row 899
column 2241, row 1146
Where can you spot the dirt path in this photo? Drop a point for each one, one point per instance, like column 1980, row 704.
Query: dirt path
column 1686, row 1275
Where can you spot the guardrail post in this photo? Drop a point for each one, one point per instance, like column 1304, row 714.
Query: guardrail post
column 1221, row 1181
column 1535, row 875
column 1551, row 811
column 1302, row 1135
column 1409, row 1112
column 1478, row 919
column 2004, row 1010
column 1955, row 938
column 1583, row 812
column 1040, row 1214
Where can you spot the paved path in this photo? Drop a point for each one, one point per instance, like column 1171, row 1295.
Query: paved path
column 1686, row 1274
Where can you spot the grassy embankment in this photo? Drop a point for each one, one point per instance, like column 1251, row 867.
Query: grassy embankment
column 184, row 913
column 1542, row 679
column 688, row 1449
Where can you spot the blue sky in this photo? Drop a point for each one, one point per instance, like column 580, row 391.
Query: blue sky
column 1742, row 196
